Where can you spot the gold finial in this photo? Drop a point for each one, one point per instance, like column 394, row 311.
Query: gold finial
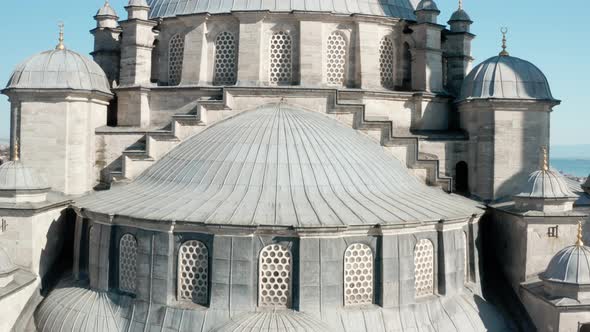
column 15, row 150
column 460, row 4
column 61, row 45
column 545, row 162
column 579, row 242
column 504, row 32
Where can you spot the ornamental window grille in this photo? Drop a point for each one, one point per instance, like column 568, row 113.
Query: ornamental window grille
column 274, row 276
column 358, row 274
column 424, row 268
column 175, row 59
column 336, row 57
column 128, row 263
column 225, row 59
column 386, row 62
column 465, row 258
column 281, row 58
column 193, row 272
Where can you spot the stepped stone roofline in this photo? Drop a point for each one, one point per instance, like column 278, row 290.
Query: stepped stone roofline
column 59, row 69
column 506, row 77
column 402, row 9
column 279, row 165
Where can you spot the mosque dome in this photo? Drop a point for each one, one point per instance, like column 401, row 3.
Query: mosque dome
column 429, row 5
column 570, row 265
column 282, row 166
column 275, row 321
column 460, row 15
column 59, row 69
column 506, row 77
column 393, row 8
column 547, row 184
column 17, row 176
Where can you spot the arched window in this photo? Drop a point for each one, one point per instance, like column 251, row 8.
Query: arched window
column 128, row 263
column 424, row 268
column 193, row 272
column 358, row 274
column 462, row 178
column 466, row 271
column 407, row 67
column 336, row 66
column 225, row 59
column 175, row 59
column 386, row 64
column 281, row 58
column 274, row 276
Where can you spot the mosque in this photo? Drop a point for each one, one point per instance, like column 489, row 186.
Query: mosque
column 317, row 165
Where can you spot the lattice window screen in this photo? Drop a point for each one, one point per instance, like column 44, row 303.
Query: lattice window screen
column 274, row 276
column 225, row 59
column 424, row 265
column 281, row 58
column 175, row 59
column 386, row 62
column 358, row 274
column 128, row 263
column 336, row 66
column 193, row 272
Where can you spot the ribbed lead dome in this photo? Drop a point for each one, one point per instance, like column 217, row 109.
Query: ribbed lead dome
column 506, row 77
column 16, row 175
column 392, row 8
column 570, row 265
column 275, row 321
column 547, row 184
column 59, row 69
column 281, row 166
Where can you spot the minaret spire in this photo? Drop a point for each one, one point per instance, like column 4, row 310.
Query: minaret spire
column 504, row 32
column 460, row 4
column 61, row 45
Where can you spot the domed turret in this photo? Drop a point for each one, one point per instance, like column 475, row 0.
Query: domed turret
column 106, row 17
column 460, row 20
column 427, row 12
column 568, row 272
column 546, row 190
column 137, row 9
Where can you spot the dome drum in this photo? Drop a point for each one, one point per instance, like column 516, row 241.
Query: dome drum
column 571, row 291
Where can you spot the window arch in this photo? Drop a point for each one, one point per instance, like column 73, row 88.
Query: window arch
column 358, row 274
column 225, row 59
column 281, row 58
column 193, row 272
column 462, row 178
column 407, row 67
column 424, row 268
column 386, row 62
column 274, row 276
column 337, row 53
column 175, row 59
column 128, row 263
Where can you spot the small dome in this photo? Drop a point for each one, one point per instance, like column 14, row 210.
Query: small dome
column 506, row 77
column 460, row 16
column 59, row 69
column 106, row 10
column 571, row 265
column 138, row 3
column 6, row 265
column 275, row 321
column 17, row 176
column 428, row 5
column 547, row 184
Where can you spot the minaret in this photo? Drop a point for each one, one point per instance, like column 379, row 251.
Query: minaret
column 458, row 49
column 427, row 73
column 107, row 47
column 136, row 65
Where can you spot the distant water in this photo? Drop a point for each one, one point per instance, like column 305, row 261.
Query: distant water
column 575, row 167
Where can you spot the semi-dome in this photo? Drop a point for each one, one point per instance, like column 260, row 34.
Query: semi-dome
column 275, row 321
column 59, row 69
column 547, row 184
column 282, row 166
column 570, row 265
column 506, row 77
column 392, row 8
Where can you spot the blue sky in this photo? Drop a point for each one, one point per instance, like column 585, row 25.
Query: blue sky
column 551, row 35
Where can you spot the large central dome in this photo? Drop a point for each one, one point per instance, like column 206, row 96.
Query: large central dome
column 392, row 8
column 281, row 166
